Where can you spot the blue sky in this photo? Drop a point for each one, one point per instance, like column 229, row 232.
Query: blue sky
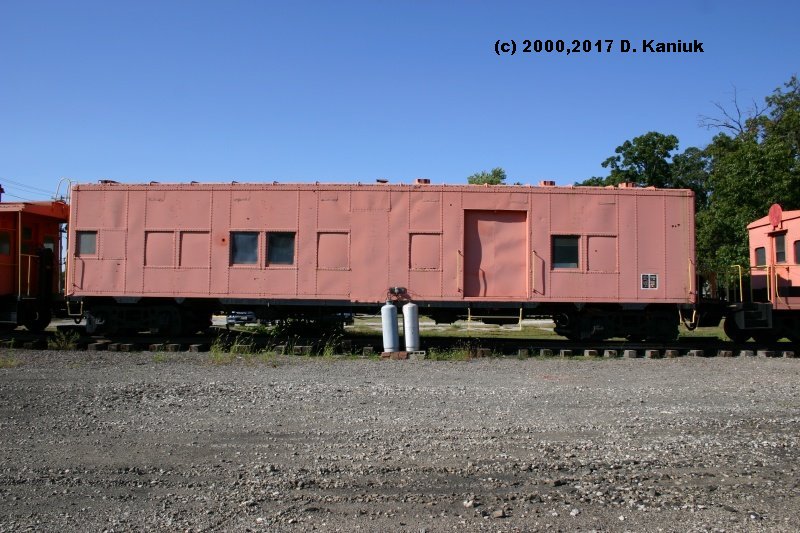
column 353, row 91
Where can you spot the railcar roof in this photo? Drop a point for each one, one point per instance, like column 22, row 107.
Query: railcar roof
column 765, row 221
column 59, row 210
column 567, row 189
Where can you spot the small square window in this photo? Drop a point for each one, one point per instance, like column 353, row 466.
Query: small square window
column 280, row 248
column 244, row 248
column 761, row 256
column 797, row 252
column 5, row 243
column 87, row 243
column 565, row 251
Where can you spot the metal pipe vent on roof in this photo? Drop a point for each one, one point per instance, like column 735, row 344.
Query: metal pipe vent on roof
column 547, row 183
column 422, row 181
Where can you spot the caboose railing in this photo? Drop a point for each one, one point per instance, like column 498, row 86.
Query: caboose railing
column 30, row 259
column 772, row 280
column 766, row 272
column 788, row 268
column 739, row 270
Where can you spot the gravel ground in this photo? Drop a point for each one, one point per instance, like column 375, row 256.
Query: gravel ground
column 171, row 442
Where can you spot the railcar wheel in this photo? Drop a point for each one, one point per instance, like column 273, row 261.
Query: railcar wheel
column 101, row 321
column 733, row 332
column 168, row 322
column 37, row 320
column 789, row 327
column 765, row 337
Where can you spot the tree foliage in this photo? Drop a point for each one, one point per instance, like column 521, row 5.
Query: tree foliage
column 643, row 160
column 497, row 176
column 648, row 161
column 750, row 171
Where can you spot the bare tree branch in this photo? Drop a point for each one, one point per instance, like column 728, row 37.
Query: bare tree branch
column 733, row 121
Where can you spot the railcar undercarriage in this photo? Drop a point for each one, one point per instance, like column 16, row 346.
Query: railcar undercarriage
column 573, row 321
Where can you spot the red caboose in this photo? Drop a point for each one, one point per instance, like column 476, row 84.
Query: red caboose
column 773, row 309
column 602, row 261
column 30, row 250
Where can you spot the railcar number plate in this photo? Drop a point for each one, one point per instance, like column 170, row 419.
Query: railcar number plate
column 649, row 281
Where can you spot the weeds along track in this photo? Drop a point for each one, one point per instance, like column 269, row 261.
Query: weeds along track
column 471, row 345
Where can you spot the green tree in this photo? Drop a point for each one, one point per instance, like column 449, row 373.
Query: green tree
column 497, row 176
column 690, row 170
column 758, row 166
column 643, row 160
column 647, row 161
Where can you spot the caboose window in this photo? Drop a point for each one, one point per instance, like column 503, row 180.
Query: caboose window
column 244, row 247
column 797, row 252
column 5, row 243
column 761, row 256
column 87, row 243
column 280, row 248
column 565, row 251
column 780, row 248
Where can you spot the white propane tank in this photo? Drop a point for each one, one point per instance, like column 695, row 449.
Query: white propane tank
column 411, row 326
column 391, row 339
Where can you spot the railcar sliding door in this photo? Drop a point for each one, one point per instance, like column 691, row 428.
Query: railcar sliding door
column 495, row 254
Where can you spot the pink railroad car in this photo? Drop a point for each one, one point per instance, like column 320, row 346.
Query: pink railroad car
column 772, row 310
column 601, row 261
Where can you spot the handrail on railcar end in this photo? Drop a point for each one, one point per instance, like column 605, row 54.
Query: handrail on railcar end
column 459, row 263
column 66, row 197
column 741, row 290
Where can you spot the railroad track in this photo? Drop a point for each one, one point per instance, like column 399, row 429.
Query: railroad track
column 220, row 339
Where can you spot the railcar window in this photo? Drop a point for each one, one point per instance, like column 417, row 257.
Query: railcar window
column 87, row 243
column 5, row 244
column 761, row 256
column 49, row 243
column 780, row 248
column 797, row 252
column 280, row 248
column 244, row 247
column 565, row 251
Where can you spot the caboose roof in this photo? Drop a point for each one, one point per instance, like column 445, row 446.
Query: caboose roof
column 58, row 210
column 764, row 221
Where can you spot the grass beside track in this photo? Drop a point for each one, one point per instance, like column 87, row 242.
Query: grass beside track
column 477, row 330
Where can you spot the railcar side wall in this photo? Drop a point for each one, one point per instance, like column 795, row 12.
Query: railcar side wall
column 353, row 242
